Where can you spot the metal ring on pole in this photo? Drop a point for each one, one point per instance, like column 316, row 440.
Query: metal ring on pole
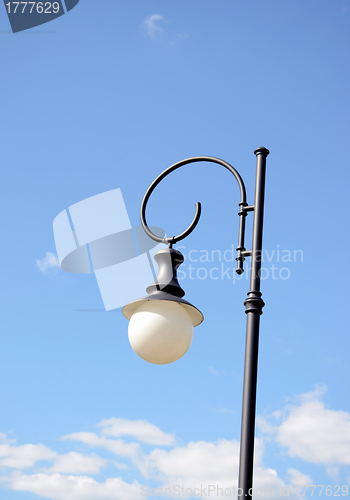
column 174, row 239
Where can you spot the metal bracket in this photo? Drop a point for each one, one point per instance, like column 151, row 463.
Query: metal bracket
column 244, row 208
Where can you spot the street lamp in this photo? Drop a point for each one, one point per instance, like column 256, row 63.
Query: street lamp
column 161, row 323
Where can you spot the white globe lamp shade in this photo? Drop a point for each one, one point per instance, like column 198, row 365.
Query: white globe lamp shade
column 160, row 331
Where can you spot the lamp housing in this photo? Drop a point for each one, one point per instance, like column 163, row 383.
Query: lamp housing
column 161, row 323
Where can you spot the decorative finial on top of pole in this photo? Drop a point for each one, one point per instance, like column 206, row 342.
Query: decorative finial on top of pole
column 262, row 151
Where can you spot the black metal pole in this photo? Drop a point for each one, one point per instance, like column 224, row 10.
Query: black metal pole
column 254, row 305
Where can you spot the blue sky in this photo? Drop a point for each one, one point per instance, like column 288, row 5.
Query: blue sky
column 106, row 97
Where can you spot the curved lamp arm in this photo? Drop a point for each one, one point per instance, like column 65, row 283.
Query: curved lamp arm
column 174, row 239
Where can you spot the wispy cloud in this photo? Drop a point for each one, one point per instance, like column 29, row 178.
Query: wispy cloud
column 153, row 29
column 4, row 439
column 48, row 262
column 116, row 446
column 150, row 25
column 212, row 371
column 225, row 411
column 297, row 478
column 310, row 431
column 179, row 36
column 140, row 429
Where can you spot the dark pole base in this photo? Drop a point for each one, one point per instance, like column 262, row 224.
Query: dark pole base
column 245, row 480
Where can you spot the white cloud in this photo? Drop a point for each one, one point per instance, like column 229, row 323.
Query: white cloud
column 264, row 426
column 139, row 429
column 61, row 487
column 194, row 465
column 116, row 446
column 333, row 472
column 49, row 261
column 150, row 25
column 25, row 456
column 5, row 439
column 76, row 463
column 311, row 431
column 119, row 466
column 297, row 478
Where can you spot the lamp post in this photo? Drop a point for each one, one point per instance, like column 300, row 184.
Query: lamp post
column 161, row 324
